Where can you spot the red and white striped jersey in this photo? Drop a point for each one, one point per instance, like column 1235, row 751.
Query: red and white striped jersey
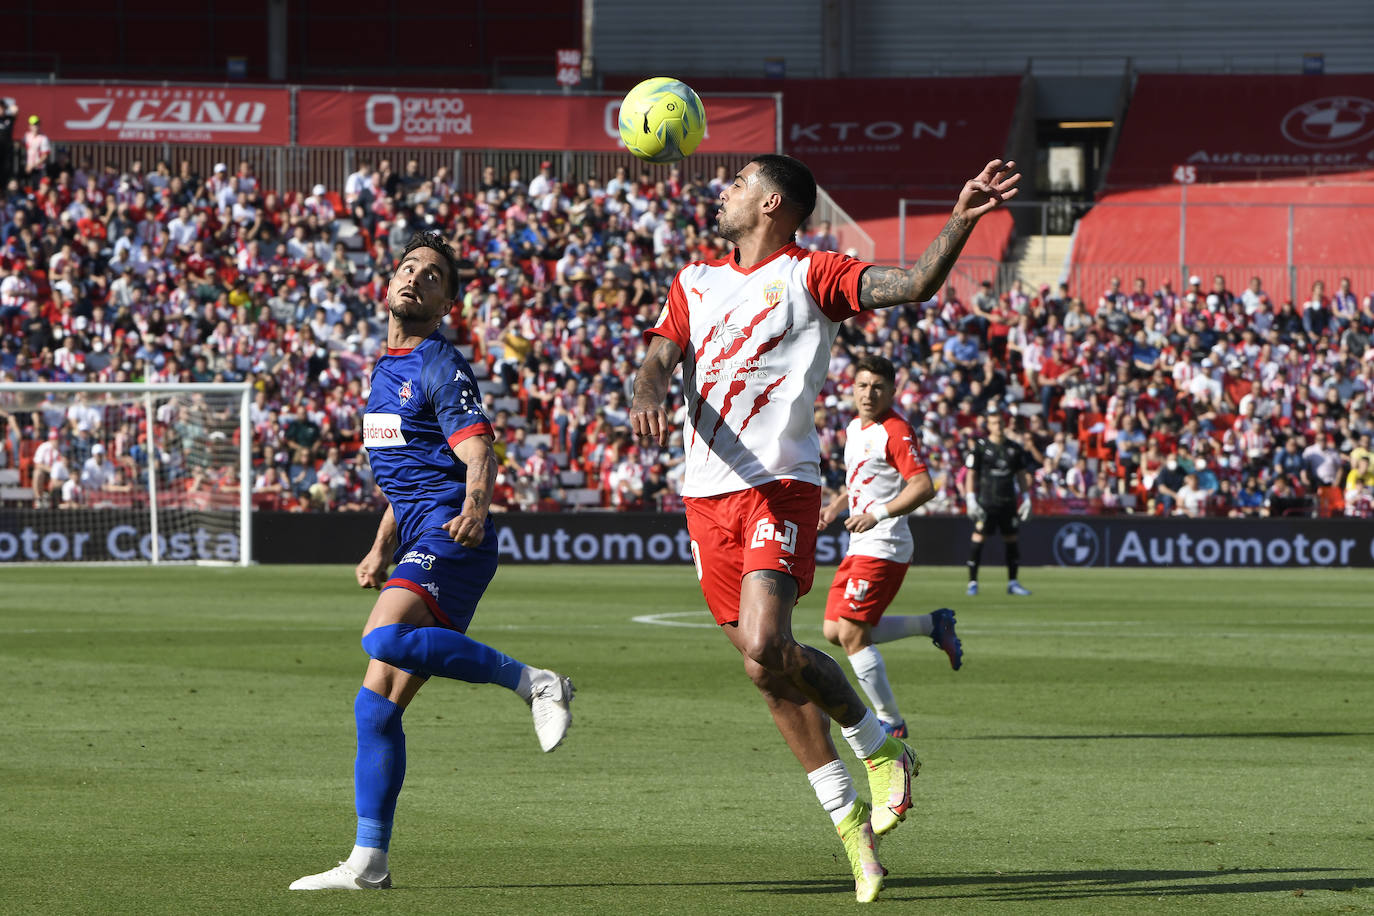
column 879, row 458
column 755, row 349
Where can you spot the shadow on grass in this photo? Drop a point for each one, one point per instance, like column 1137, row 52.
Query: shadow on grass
column 1082, row 885
column 1017, row 886
column 1166, row 736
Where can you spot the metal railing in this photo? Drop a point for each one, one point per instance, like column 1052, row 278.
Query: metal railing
column 849, row 234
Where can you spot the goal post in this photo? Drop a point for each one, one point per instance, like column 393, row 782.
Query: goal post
column 126, row 473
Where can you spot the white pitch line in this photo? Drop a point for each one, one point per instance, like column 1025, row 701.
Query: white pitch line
column 662, row 621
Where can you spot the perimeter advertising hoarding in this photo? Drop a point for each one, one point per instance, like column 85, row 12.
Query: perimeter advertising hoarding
column 154, row 114
column 506, row 120
column 28, row 536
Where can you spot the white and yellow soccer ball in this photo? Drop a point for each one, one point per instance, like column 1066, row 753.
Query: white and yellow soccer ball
column 662, row 120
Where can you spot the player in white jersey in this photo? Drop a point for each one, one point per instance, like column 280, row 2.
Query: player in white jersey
column 753, row 332
column 885, row 479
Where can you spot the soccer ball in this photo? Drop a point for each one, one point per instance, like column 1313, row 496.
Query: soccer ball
column 662, row 120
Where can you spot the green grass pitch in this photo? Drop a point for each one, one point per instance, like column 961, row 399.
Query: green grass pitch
column 181, row 741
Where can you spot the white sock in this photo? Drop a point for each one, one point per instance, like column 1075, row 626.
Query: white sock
column 369, row 862
column 890, row 628
column 866, row 737
column 524, row 688
column 872, row 674
column 834, row 790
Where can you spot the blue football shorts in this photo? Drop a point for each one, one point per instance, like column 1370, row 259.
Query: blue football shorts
column 449, row 577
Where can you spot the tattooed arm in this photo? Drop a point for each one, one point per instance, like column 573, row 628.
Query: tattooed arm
column 880, row 287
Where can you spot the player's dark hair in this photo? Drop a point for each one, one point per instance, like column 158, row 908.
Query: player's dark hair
column 793, row 180
column 878, row 365
column 436, row 242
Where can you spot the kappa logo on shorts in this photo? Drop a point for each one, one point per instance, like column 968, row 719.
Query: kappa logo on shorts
column 856, row 589
column 432, row 588
column 767, row 530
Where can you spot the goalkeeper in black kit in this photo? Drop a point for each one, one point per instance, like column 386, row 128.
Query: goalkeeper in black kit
column 996, row 465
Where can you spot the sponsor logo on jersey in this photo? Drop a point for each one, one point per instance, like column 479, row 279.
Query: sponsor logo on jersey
column 773, row 292
column 727, row 332
column 382, row 430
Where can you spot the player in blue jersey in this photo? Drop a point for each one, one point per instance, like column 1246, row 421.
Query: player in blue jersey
column 430, row 447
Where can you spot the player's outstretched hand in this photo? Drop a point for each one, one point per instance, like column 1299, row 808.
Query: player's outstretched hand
column 994, row 185
column 860, row 523
column 466, row 530
column 825, row 518
column 650, row 423
column 371, row 572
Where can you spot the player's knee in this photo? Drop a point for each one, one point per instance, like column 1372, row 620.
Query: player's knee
column 388, row 644
column 766, row 651
column 831, row 630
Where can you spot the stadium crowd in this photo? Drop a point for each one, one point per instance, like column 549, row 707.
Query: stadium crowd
column 1200, row 402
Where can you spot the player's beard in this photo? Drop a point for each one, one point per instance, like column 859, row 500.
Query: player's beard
column 406, row 309
column 725, row 229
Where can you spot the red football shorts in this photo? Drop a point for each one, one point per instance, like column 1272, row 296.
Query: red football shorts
column 863, row 588
column 767, row 527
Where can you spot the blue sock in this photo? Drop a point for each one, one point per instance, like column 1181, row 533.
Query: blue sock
column 441, row 651
column 379, row 768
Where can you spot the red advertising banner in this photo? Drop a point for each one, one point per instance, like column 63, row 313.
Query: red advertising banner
column 934, row 131
column 143, row 114
column 481, row 120
column 1244, row 127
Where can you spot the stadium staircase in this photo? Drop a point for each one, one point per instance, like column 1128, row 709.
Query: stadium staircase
column 1040, row 260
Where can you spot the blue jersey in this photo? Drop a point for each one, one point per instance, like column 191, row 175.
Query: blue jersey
column 424, row 402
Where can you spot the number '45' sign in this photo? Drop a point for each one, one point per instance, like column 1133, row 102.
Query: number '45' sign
column 1185, row 174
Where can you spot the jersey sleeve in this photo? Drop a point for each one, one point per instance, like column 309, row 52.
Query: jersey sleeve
column 672, row 321
column 457, row 403
column 833, row 281
column 902, row 451
column 974, row 461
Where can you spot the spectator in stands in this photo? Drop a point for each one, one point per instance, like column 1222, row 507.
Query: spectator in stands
column 1283, row 499
column 1192, row 499
column 1321, row 463
column 963, row 351
column 1316, row 312
column 96, row 472
column 1359, row 488
column 37, row 153
column 1169, row 483
column 1289, row 461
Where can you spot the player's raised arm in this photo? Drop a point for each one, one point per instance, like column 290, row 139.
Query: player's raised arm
column 371, row 572
column 479, row 457
column 880, row 287
column 648, row 418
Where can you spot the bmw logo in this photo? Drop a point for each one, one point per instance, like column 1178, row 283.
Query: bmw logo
column 1075, row 544
column 1337, row 120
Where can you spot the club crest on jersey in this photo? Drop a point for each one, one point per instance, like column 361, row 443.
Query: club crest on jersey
column 772, row 293
column 405, row 392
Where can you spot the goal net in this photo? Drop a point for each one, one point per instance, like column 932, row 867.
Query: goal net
column 125, row 473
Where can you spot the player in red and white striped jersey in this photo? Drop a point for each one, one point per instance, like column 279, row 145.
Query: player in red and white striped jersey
column 885, row 479
column 753, row 332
